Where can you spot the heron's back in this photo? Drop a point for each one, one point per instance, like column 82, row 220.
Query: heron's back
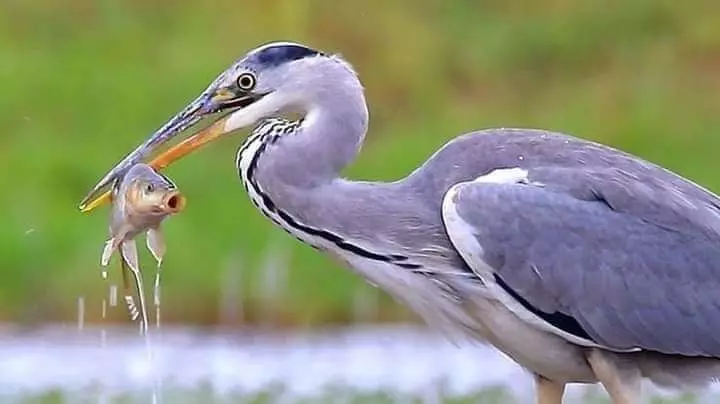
column 478, row 153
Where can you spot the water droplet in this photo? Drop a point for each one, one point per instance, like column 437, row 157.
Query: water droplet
column 81, row 313
column 156, row 296
column 113, row 295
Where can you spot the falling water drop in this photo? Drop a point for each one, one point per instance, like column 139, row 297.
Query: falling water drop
column 103, row 333
column 156, row 296
column 102, row 395
column 113, row 295
column 81, row 313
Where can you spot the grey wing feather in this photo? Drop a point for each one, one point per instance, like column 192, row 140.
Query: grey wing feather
column 635, row 261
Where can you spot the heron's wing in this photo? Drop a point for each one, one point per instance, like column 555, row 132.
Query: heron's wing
column 602, row 256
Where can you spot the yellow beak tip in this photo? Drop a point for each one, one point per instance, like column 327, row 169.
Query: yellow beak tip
column 102, row 199
column 176, row 152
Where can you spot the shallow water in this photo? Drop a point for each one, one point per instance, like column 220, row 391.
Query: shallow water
column 400, row 362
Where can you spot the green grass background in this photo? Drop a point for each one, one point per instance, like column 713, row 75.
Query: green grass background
column 84, row 81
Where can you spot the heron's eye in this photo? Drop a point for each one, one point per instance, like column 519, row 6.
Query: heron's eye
column 246, row 81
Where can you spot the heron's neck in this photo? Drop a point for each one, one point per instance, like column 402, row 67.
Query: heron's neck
column 329, row 138
column 294, row 179
column 298, row 174
column 297, row 171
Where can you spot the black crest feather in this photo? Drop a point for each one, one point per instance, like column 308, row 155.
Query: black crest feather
column 281, row 53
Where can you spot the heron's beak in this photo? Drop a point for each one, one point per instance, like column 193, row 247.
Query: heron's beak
column 213, row 100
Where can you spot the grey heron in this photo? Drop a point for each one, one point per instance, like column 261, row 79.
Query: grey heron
column 581, row 262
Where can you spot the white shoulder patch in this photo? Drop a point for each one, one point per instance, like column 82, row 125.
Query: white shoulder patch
column 461, row 233
column 514, row 175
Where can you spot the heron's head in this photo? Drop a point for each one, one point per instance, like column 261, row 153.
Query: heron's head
column 273, row 78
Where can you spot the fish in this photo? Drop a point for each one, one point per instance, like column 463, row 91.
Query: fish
column 141, row 200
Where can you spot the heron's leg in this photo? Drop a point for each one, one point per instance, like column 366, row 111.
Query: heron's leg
column 548, row 391
column 623, row 386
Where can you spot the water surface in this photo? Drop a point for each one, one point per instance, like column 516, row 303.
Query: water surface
column 399, row 362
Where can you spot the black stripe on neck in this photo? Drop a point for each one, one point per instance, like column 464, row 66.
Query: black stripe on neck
column 263, row 138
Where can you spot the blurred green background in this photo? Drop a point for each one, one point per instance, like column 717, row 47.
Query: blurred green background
column 84, row 81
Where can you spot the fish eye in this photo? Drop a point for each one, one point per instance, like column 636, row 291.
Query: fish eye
column 149, row 188
column 246, row 81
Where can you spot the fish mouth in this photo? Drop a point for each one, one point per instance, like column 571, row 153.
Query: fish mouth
column 173, row 202
column 216, row 99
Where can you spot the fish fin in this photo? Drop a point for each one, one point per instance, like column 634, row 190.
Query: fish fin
column 129, row 300
column 155, row 243
column 132, row 307
column 108, row 250
column 128, row 249
column 125, row 270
